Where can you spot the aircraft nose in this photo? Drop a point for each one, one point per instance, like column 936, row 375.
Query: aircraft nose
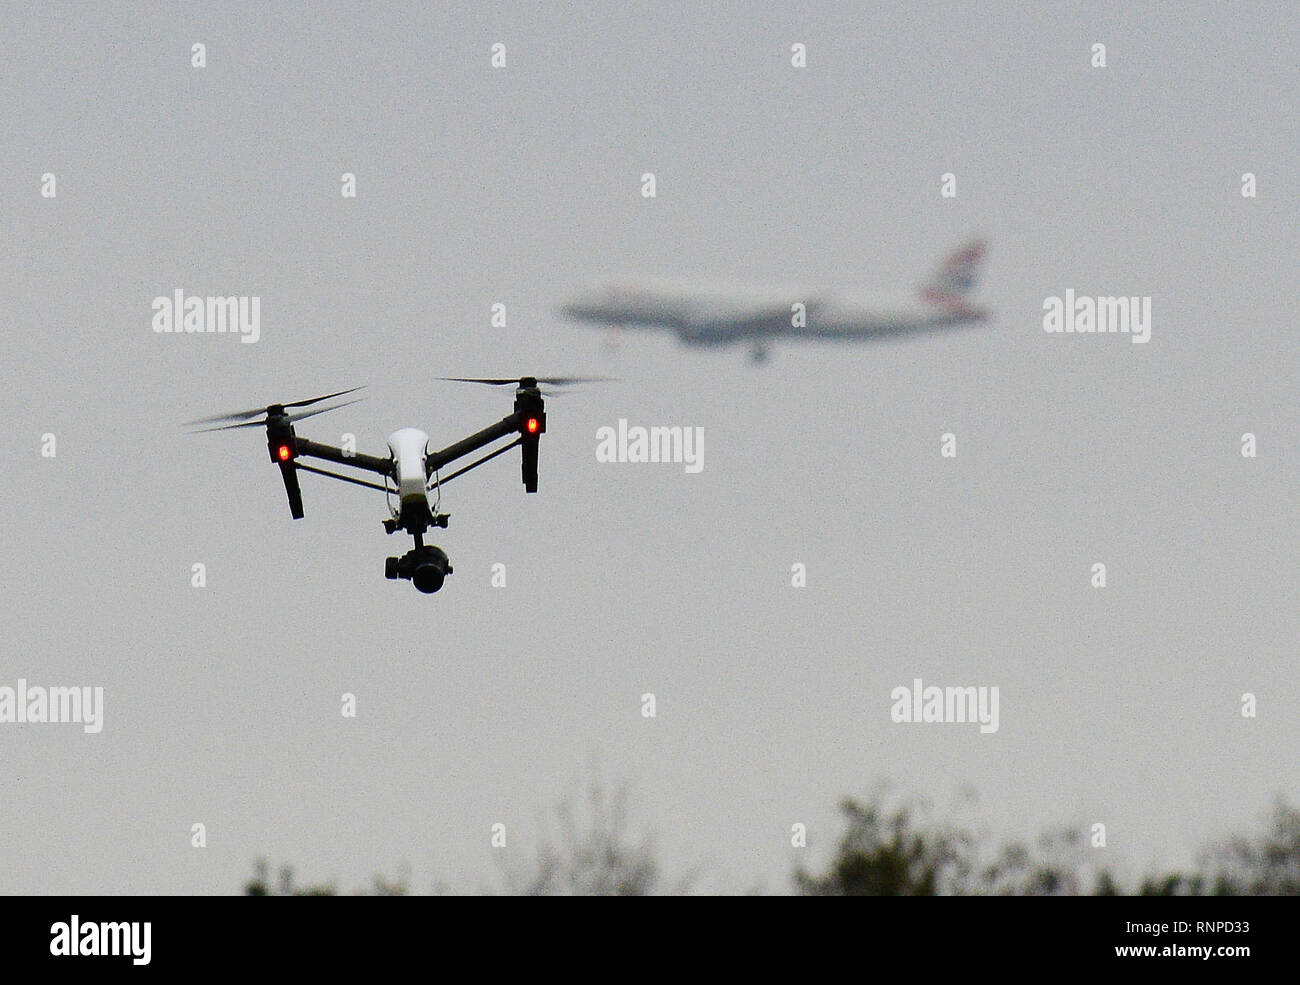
column 576, row 308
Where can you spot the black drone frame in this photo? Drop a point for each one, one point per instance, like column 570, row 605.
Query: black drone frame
column 287, row 449
column 425, row 565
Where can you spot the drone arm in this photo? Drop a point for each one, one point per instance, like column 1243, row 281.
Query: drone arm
column 371, row 463
column 344, row 478
column 467, row 446
column 486, row 458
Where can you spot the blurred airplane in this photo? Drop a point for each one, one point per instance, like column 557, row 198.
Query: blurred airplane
column 716, row 317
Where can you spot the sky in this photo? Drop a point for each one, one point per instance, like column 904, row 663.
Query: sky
column 518, row 185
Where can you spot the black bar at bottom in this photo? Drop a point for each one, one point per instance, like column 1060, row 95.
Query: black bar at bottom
column 919, row 939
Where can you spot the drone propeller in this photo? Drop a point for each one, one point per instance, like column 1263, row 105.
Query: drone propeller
column 545, row 380
column 292, row 417
column 239, row 415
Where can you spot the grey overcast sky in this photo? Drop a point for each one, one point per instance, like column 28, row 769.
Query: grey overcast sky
column 478, row 185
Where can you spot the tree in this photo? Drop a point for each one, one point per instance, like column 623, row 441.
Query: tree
column 260, row 884
column 904, row 853
column 899, row 851
column 885, row 854
column 1267, row 865
column 594, row 855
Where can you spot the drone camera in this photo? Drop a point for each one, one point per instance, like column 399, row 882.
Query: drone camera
column 424, row 567
column 429, row 575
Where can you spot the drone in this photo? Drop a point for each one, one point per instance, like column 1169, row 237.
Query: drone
column 412, row 469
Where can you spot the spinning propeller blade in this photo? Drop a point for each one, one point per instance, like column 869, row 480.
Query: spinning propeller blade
column 292, row 417
column 321, row 410
column 547, row 380
column 240, row 415
column 227, row 427
column 316, row 400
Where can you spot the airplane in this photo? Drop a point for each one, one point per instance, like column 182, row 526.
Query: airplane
column 411, row 469
column 720, row 316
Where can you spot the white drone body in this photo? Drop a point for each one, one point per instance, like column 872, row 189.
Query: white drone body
column 410, row 451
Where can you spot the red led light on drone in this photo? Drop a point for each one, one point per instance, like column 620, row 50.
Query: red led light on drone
column 532, row 425
column 284, row 452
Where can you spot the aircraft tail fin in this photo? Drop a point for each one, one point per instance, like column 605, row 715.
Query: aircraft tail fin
column 956, row 276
